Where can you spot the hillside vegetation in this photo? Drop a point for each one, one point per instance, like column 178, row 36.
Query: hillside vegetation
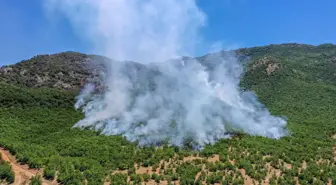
column 292, row 80
column 6, row 173
column 67, row 70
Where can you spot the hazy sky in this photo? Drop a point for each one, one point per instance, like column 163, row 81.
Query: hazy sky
column 26, row 30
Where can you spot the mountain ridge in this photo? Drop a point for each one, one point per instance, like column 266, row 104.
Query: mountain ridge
column 69, row 70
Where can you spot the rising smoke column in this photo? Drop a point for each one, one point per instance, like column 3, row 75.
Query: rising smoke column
column 160, row 99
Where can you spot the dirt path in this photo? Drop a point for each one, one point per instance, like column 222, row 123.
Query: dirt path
column 22, row 172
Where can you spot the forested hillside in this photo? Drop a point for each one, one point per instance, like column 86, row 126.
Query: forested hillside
column 293, row 80
column 67, row 70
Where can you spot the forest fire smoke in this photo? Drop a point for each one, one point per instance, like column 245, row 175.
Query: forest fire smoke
column 159, row 99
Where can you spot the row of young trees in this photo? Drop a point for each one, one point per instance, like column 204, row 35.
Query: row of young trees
column 6, row 173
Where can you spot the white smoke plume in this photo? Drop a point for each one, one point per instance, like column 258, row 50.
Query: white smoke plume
column 160, row 99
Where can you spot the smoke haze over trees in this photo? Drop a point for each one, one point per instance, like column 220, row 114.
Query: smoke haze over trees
column 184, row 100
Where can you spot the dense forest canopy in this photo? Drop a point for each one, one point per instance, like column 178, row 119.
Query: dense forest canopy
column 296, row 80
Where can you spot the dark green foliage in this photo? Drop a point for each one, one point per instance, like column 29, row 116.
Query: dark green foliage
column 214, row 178
column 238, row 181
column 6, row 173
column 156, row 177
column 187, row 173
column 146, row 177
column 12, row 96
column 227, row 180
column 118, row 179
column 49, row 173
column 35, row 180
column 136, row 178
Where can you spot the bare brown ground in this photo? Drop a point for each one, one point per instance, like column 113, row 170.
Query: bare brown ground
column 214, row 159
column 144, row 170
column 266, row 156
column 107, row 183
column 329, row 182
column 271, row 68
column 247, row 179
column 233, row 162
column 191, row 158
column 304, row 165
column 198, row 175
column 323, row 161
column 159, row 168
column 152, row 182
column 287, row 165
column 22, row 172
column 270, row 173
column 120, row 171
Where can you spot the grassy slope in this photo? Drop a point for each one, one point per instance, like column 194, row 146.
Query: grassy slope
column 303, row 89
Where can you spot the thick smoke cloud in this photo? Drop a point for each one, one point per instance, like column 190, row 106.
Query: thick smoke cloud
column 162, row 99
